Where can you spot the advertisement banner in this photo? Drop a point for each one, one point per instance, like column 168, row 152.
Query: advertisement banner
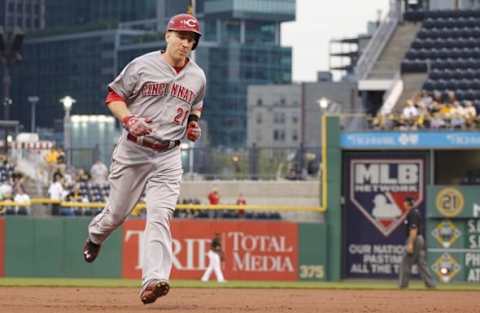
column 2, row 247
column 376, row 185
column 254, row 250
column 410, row 140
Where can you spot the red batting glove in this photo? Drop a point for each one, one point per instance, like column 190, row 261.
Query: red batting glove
column 193, row 131
column 137, row 126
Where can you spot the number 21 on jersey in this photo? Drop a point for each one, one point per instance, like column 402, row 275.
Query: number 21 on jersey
column 181, row 116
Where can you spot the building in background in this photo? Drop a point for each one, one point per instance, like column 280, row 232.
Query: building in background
column 286, row 116
column 29, row 15
column 245, row 49
column 85, row 44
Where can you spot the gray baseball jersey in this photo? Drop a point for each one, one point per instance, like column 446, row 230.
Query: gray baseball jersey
column 152, row 89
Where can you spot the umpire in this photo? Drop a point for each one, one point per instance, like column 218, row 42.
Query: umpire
column 415, row 252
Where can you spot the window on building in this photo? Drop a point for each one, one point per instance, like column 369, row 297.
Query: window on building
column 11, row 7
column 279, row 135
column 259, row 102
column 295, row 135
column 295, row 119
column 232, row 31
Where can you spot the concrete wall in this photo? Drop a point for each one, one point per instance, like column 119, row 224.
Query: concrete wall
column 300, row 193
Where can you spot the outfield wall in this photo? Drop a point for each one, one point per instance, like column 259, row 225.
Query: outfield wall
column 255, row 250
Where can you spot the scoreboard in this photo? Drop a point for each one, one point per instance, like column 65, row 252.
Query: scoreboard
column 453, row 232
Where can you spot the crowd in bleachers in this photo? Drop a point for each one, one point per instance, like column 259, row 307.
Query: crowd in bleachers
column 447, row 48
column 92, row 187
column 433, row 110
column 12, row 189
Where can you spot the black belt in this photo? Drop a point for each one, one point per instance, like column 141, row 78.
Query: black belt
column 157, row 145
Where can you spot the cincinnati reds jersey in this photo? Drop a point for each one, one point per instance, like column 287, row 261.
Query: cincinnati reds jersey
column 153, row 89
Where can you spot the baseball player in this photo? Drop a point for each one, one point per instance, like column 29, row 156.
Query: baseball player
column 215, row 258
column 158, row 98
column 415, row 248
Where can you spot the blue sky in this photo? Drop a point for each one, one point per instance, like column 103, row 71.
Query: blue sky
column 317, row 22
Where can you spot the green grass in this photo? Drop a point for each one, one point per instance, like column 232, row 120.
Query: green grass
column 126, row 283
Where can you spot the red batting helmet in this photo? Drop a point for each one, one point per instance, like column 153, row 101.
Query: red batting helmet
column 185, row 23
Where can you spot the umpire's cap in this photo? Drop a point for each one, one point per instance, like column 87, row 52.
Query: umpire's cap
column 185, row 23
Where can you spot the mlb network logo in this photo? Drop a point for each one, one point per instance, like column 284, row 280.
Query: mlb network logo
column 378, row 188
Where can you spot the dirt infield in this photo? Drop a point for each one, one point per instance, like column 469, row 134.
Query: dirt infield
column 186, row 300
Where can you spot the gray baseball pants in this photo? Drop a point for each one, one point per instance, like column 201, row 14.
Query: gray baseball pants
column 418, row 257
column 160, row 179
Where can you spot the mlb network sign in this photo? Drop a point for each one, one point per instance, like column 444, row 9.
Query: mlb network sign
column 379, row 187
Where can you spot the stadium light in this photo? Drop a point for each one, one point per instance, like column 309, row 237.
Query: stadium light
column 33, row 101
column 323, row 103
column 67, row 102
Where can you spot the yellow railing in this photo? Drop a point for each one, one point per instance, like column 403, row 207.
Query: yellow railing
column 141, row 206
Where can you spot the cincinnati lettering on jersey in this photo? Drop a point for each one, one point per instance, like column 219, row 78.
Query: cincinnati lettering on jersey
column 162, row 89
column 154, row 89
column 182, row 93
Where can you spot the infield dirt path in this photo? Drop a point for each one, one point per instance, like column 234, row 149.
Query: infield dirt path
column 184, row 300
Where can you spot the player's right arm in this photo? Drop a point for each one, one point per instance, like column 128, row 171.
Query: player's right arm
column 135, row 125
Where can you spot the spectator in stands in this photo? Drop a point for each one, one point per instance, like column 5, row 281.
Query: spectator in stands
column 6, row 190
column 20, row 195
column 241, row 201
column 425, row 100
column 470, row 114
column 82, row 176
column 437, row 121
column 214, row 196
column 457, row 115
column 76, row 195
column 23, row 203
column 61, row 157
column 68, row 180
column 410, row 114
column 57, row 192
column 99, row 172
column 52, row 156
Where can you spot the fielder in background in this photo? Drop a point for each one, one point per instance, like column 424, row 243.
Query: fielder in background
column 415, row 250
column 215, row 259
column 158, row 97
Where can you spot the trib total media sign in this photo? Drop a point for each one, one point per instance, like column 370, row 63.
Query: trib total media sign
column 253, row 250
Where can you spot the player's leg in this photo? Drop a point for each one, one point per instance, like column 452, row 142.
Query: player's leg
column 217, row 267
column 162, row 190
column 126, row 187
column 421, row 261
column 209, row 270
column 405, row 269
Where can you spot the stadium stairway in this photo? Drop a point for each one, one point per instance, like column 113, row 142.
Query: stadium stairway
column 388, row 64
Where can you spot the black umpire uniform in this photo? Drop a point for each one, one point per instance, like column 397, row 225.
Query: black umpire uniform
column 415, row 250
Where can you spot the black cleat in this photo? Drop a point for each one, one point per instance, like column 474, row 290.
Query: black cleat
column 154, row 290
column 90, row 251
